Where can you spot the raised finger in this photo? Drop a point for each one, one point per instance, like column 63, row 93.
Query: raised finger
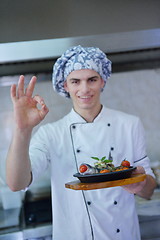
column 20, row 89
column 13, row 92
column 31, row 86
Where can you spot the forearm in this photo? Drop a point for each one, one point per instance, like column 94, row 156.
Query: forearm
column 18, row 167
column 148, row 188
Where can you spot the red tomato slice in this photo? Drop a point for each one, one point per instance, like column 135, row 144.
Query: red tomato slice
column 83, row 168
column 125, row 163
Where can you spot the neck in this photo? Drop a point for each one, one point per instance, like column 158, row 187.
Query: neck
column 90, row 115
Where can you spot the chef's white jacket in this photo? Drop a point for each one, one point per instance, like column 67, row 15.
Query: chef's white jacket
column 103, row 214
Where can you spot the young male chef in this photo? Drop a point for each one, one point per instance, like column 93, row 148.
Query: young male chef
column 90, row 129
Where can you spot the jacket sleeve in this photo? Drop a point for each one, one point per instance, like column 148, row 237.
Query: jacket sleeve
column 141, row 157
column 39, row 153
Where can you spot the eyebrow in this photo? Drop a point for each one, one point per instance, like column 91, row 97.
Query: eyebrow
column 71, row 79
column 93, row 77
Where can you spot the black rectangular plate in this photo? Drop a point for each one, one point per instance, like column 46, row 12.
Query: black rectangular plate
column 103, row 177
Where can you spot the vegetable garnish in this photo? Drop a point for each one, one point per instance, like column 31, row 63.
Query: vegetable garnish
column 103, row 159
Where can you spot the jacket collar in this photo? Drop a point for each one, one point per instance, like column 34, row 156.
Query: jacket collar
column 74, row 117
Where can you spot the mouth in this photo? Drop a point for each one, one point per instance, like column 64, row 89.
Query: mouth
column 84, row 97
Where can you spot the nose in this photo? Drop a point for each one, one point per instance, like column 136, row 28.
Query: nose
column 84, row 87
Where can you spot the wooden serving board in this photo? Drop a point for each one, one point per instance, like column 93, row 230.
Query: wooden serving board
column 77, row 185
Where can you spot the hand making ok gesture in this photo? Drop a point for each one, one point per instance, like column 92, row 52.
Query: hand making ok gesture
column 26, row 112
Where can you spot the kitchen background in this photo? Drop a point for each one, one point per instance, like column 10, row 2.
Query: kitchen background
column 35, row 33
column 135, row 92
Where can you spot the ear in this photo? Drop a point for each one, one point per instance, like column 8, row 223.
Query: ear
column 102, row 83
column 65, row 86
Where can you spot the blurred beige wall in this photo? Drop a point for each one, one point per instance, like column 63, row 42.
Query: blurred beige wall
column 135, row 92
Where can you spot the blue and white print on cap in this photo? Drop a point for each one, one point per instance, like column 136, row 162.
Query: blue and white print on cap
column 77, row 58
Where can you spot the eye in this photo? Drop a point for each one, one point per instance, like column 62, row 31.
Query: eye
column 92, row 79
column 74, row 81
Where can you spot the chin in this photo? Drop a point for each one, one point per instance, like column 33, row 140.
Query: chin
column 85, row 106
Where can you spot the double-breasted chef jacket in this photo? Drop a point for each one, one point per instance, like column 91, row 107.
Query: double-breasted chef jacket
column 62, row 146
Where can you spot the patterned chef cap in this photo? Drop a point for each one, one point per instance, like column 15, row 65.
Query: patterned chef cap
column 77, row 58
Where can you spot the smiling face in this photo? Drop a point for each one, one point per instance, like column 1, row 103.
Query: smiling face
column 84, row 87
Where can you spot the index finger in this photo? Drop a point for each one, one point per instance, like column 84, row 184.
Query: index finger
column 31, row 86
column 13, row 92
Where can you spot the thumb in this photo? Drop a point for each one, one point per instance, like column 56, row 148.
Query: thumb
column 139, row 169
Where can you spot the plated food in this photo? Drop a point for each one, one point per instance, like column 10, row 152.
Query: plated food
column 104, row 170
column 102, row 165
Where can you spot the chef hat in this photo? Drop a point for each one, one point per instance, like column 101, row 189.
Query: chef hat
column 77, row 58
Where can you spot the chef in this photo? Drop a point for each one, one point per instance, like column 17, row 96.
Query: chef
column 90, row 129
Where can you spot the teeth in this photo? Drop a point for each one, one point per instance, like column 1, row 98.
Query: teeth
column 84, row 97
